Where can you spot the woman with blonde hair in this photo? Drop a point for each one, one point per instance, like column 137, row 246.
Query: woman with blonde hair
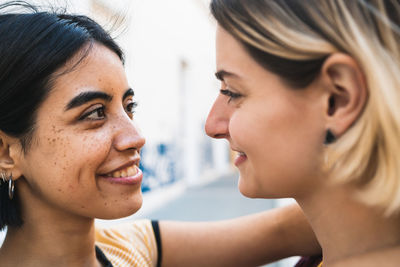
column 310, row 97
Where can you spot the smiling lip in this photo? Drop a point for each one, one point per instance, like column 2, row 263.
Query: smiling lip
column 126, row 179
column 240, row 158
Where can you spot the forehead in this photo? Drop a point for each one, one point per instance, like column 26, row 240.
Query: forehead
column 99, row 69
column 230, row 53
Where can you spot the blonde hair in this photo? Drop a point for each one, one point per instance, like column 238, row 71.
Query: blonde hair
column 293, row 37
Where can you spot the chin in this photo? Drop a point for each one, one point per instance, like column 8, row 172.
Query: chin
column 247, row 190
column 118, row 210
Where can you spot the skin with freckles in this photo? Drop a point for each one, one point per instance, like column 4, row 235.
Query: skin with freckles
column 74, row 147
column 278, row 128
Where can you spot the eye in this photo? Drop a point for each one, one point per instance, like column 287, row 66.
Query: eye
column 94, row 114
column 130, row 107
column 230, row 94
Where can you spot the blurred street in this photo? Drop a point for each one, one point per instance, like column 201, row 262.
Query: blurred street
column 217, row 200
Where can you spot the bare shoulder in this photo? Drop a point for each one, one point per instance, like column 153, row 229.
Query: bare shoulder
column 385, row 258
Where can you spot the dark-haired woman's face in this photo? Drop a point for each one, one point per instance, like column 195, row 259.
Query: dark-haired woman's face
column 84, row 155
column 276, row 130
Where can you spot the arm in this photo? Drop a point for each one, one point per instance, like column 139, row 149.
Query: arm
column 247, row 241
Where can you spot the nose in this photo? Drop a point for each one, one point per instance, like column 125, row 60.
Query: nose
column 217, row 124
column 128, row 136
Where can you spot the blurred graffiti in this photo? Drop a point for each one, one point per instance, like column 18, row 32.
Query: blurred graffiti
column 158, row 164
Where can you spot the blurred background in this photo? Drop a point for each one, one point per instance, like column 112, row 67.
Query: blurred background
column 170, row 63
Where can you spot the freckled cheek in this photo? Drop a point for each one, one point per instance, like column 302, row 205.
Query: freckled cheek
column 75, row 150
column 52, row 146
column 71, row 151
column 95, row 144
column 90, row 152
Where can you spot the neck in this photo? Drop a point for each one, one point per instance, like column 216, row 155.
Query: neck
column 46, row 241
column 344, row 227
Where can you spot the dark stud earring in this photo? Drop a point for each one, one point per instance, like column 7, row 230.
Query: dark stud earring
column 329, row 138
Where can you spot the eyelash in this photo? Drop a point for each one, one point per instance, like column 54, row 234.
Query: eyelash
column 130, row 109
column 230, row 94
column 97, row 110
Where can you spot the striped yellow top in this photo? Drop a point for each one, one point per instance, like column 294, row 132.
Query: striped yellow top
column 320, row 265
column 129, row 244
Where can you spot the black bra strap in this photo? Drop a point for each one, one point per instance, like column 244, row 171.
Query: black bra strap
column 102, row 258
column 157, row 235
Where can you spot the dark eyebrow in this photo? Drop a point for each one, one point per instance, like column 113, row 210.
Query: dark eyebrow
column 128, row 92
column 222, row 74
column 85, row 97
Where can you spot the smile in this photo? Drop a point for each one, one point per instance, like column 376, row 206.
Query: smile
column 127, row 172
column 130, row 175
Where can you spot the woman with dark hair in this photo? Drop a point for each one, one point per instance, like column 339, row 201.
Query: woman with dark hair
column 69, row 153
column 310, row 101
column 65, row 108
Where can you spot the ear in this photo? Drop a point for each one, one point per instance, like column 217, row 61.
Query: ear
column 7, row 158
column 347, row 92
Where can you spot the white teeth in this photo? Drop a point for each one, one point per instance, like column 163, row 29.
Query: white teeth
column 116, row 174
column 130, row 171
column 241, row 154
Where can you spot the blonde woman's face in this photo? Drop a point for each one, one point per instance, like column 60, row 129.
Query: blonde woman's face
column 84, row 156
column 277, row 131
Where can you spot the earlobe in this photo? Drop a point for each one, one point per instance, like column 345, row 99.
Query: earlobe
column 346, row 92
column 7, row 162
